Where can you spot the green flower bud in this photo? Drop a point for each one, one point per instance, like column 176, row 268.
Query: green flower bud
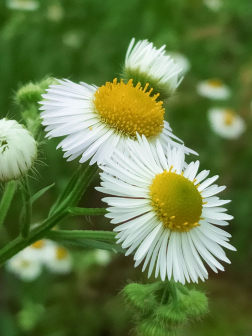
column 152, row 327
column 140, row 297
column 31, row 93
column 195, row 304
column 170, row 315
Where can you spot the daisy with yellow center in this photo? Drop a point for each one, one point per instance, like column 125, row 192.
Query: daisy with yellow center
column 26, row 5
column 226, row 122
column 213, row 89
column 166, row 214
column 146, row 64
column 60, row 261
column 97, row 120
column 26, row 265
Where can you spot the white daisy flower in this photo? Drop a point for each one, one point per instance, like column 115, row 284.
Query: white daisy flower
column 146, row 64
column 214, row 5
column 55, row 12
column 72, row 39
column 213, row 89
column 18, row 150
column 96, row 120
column 226, row 123
column 60, row 261
column 27, row 5
column 165, row 212
column 102, row 257
column 25, row 265
column 181, row 60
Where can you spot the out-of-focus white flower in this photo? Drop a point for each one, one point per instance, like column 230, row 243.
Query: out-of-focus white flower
column 55, row 12
column 26, row 5
column 166, row 213
column 72, row 39
column 226, row 122
column 102, row 257
column 181, row 60
column 146, row 64
column 214, row 5
column 25, row 265
column 213, row 89
column 18, row 150
column 60, row 260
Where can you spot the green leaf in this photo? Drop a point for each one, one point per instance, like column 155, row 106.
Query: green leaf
column 37, row 196
column 104, row 240
column 75, row 211
column 66, row 191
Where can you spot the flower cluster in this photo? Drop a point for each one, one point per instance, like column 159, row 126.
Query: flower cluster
column 28, row 263
column 166, row 212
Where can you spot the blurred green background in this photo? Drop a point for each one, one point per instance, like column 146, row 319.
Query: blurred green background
column 86, row 40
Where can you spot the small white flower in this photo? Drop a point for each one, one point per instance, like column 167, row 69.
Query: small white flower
column 27, row 5
column 102, row 257
column 72, row 39
column 96, row 120
column 213, row 89
column 214, row 5
column 55, row 12
column 181, row 60
column 60, row 261
column 25, row 265
column 164, row 212
column 18, row 150
column 146, row 64
column 226, row 123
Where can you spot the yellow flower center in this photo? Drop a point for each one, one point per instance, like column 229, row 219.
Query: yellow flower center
column 39, row 244
column 25, row 263
column 176, row 201
column 61, row 253
column 129, row 109
column 229, row 117
column 216, row 83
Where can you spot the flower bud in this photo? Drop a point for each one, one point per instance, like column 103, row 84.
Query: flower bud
column 152, row 327
column 170, row 315
column 31, row 93
column 140, row 297
column 195, row 304
column 18, row 150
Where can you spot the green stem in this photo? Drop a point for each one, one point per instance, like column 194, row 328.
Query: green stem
column 174, row 295
column 72, row 197
column 26, row 220
column 36, row 234
column 76, row 211
column 84, row 234
column 6, row 200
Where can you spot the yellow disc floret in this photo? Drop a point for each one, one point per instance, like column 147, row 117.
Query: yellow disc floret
column 61, row 253
column 216, row 83
column 229, row 117
column 129, row 109
column 176, row 201
column 39, row 244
